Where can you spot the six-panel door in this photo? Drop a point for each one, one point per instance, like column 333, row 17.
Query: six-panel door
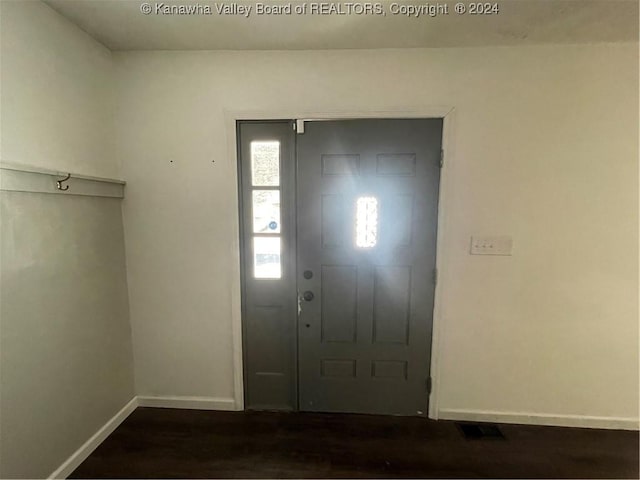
column 367, row 193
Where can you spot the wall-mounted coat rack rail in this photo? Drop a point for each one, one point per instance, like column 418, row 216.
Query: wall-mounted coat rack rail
column 28, row 179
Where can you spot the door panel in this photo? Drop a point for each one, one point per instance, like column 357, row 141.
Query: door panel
column 267, row 196
column 367, row 195
column 339, row 311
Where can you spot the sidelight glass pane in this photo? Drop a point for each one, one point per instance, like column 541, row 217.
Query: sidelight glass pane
column 366, row 222
column 266, row 211
column 265, row 164
column 266, row 257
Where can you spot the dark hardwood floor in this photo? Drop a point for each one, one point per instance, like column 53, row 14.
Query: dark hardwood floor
column 167, row 443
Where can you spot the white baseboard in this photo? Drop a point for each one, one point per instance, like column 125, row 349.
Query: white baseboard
column 90, row 445
column 194, row 403
column 197, row 403
column 524, row 418
column 228, row 404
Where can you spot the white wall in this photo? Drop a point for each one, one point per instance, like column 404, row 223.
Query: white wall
column 57, row 93
column 546, row 150
column 66, row 364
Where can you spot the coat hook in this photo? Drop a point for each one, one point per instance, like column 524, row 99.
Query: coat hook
column 59, row 183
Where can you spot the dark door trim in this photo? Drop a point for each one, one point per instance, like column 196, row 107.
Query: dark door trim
column 448, row 114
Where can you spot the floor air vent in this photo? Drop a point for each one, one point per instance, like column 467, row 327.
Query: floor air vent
column 474, row 431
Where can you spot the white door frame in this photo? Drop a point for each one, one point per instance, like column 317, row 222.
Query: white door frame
column 447, row 113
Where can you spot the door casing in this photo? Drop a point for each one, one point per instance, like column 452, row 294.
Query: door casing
column 447, row 114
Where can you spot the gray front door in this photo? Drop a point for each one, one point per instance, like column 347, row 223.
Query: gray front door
column 367, row 194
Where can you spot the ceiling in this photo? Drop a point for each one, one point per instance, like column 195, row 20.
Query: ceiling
column 120, row 25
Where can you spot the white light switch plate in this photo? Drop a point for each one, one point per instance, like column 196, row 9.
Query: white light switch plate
column 496, row 245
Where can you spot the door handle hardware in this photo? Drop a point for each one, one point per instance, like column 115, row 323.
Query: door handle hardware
column 308, row 274
column 308, row 296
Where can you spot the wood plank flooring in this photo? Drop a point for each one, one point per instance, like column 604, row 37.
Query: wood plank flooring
column 170, row 443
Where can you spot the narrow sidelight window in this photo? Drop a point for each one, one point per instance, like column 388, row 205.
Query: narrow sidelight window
column 266, row 257
column 265, row 208
column 266, row 211
column 265, row 164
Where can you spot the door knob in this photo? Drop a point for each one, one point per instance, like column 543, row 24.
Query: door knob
column 308, row 296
